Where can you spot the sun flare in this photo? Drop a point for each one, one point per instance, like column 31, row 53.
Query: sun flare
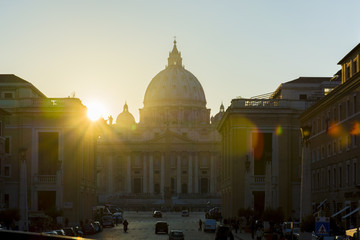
column 95, row 110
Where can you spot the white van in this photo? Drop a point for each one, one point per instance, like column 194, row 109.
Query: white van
column 210, row 225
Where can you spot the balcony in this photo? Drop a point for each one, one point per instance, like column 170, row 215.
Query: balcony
column 45, row 179
column 269, row 103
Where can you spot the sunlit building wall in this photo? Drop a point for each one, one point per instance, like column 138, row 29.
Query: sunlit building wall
column 49, row 154
column 171, row 157
column 333, row 152
column 261, row 148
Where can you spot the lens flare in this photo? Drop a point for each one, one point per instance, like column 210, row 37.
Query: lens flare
column 258, row 144
column 335, row 130
column 278, row 130
column 355, row 129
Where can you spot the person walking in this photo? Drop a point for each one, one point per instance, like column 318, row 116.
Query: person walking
column 259, row 233
column 200, row 225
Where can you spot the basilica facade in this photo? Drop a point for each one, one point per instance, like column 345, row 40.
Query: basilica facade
column 171, row 157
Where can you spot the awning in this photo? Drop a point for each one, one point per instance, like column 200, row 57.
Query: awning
column 349, row 214
column 342, row 210
column 322, row 203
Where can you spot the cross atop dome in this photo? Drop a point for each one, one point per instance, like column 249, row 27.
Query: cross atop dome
column 175, row 56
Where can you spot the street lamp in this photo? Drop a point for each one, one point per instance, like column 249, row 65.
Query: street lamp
column 305, row 134
column 305, row 170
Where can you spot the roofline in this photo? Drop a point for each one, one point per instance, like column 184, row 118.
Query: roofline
column 349, row 53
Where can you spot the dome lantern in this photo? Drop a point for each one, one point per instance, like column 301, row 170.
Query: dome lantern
column 175, row 57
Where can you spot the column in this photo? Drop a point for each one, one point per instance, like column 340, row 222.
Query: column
column 196, row 173
column 128, row 176
column 190, row 174
column 178, row 174
column 110, row 175
column 151, row 174
column 212, row 173
column 145, row 170
column 162, row 172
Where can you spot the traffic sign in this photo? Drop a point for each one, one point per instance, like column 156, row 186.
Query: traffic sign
column 322, row 226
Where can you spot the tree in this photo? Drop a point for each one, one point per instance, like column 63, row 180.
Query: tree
column 273, row 215
column 308, row 223
column 9, row 217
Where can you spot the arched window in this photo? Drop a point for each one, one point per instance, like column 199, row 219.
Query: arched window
column 204, row 185
column 184, row 188
column 157, row 188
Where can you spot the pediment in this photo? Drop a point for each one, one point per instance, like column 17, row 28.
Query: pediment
column 170, row 137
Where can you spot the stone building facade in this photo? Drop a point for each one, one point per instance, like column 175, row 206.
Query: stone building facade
column 332, row 155
column 261, row 148
column 48, row 162
column 171, row 157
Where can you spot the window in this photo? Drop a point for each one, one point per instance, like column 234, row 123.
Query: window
column 8, row 95
column 355, row 66
column 334, row 179
column 354, row 174
column 347, row 72
column 7, row 145
column 347, row 108
column 329, row 178
column 6, row 200
column 340, row 113
column 302, row 96
column 172, row 162
column 348, row 174
column 335, row 115
column 7, row 171
column 340, row 176
column 354, row 104
column 340, row 145
column 348, row 142
column 335, row 148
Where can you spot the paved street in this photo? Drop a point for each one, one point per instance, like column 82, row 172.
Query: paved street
column 142, row 226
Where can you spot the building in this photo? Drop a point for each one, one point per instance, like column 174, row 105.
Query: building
column 48, row 162
column 261, row 148
column 331, row 155
column 171, row 157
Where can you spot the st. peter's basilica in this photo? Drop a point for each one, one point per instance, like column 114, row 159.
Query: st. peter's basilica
column 171, row 158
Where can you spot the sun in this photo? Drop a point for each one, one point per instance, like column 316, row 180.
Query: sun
column 95, row 110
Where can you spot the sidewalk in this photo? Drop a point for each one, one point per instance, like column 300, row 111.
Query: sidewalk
column 242, row 235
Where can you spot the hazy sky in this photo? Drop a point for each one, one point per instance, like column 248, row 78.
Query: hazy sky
column 108, row 51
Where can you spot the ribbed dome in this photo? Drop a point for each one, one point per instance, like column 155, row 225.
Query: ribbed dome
column 125, row 119
column 174, row 86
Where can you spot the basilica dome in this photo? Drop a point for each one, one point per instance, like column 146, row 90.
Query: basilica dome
column 125, row 119
column 174, row 86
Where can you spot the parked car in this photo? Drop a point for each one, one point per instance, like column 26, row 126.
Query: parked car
column 89, row 228
column 214, row 213
column 222, row 232
column 185, row 213
column 60, row 232
column 210, row 225
column 51, row 232
column 69, row 231
column 161, row 226
column 157, row 214
column 176, row 235
column 98, row 226
column 118, row 218
column 107, row 220
column 287, row 227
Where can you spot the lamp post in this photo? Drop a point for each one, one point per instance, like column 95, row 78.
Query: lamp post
column 305, row 199
column 23, row 190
